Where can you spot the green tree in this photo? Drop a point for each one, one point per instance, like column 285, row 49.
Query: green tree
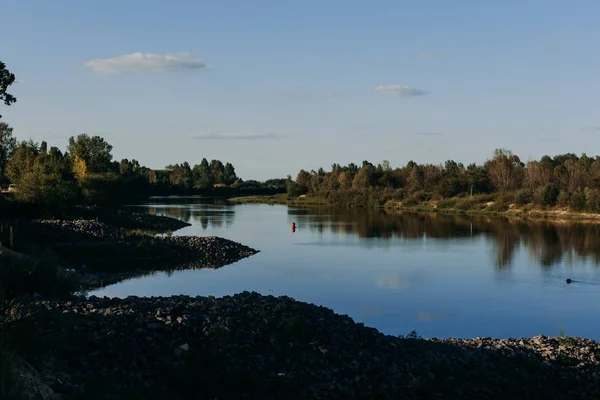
column 202, row 175
column 94, row 150
column 6, row 79
column 229, row 175
column 22, row 160
column 217, row 170
column 7, row 145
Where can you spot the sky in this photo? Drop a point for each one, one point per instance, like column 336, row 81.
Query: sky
column 276, row 86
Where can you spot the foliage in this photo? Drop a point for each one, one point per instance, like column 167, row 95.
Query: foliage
column 524, row 196
column 7, row 145
column 548, row 181
column 547, row 195
column 94, row 151
column 6, row 79
column 578, row 201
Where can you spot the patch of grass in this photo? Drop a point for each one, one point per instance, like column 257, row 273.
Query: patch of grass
column 447, row 203
column 568, row 340
column 280, row 199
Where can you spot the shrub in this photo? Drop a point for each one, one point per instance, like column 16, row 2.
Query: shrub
column 563, row 198
column 465, row 204
column 592, row 200
column 505, row 197
column 578, row 201
column 447, row 203
column 547, row 195
column 498, row 207
column 524, row 196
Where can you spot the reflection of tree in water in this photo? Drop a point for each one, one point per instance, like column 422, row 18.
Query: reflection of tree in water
column 206, row 212
column 549, row 243
column 180, row 213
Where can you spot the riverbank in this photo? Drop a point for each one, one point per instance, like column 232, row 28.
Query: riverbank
column 279, row 199
column 275, row 347
column 448, row 206
column 532, row 212
column 100, row 247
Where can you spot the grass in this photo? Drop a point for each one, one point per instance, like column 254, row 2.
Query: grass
column 279, row 199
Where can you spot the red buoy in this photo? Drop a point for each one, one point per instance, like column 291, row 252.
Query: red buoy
column 293, row 227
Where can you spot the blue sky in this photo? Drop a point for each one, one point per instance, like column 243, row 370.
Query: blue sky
column 275, row 86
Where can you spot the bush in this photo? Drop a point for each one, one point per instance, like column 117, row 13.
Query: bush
column 411, row 201
column 447, row 203
column 578, row 201
column 498, row 206
column 563, row 198
column 524, row 196
column 592, row 200
column 505, row 198
column 547, row 196
column 465, row 204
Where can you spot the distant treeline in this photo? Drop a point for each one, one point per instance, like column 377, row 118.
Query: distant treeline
column 87, row 173
column 565, row 179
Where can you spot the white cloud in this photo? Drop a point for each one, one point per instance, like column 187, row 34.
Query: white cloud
column 236, row 136
column 433, row 54
column 400, row 90
column 143, row 63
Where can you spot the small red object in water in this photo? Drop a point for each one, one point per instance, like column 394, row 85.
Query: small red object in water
column 293, row 227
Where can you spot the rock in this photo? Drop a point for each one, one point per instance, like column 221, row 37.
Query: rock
column 320, row 353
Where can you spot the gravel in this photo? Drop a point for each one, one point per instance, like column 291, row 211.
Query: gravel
column 254, row 346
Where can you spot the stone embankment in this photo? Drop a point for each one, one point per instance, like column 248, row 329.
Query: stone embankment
column 104, row 254
column 254, row 346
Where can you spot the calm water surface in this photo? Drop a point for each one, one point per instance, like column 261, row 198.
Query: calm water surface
column 441, row 276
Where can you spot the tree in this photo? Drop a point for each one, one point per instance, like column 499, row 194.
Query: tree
column 6, row 79
column 217, row 170
column 94, row 150
column 229, row 175
column 202, row 175
column 537, row 174
column 22, row 160
column 8, row 143
column 505, row 170
column 79, row 167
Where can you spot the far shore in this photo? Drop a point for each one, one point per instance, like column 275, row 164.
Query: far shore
column 530, row 211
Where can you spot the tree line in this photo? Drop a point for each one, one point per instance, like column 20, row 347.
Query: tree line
column 86, row 171
column 565, row 179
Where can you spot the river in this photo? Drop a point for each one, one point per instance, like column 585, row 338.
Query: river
column 443, row 276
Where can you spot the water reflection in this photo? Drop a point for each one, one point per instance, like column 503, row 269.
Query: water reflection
column 205, row 212
column 549, row 243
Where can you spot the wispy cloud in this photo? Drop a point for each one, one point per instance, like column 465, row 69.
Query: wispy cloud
column 433, row 54
column 430, row 133
column 237, row 136
column 400, row 90
column 144, row 63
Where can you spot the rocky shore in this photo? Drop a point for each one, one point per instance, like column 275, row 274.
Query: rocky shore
column 263, row 347
column 169, row 254
column 104, row 254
